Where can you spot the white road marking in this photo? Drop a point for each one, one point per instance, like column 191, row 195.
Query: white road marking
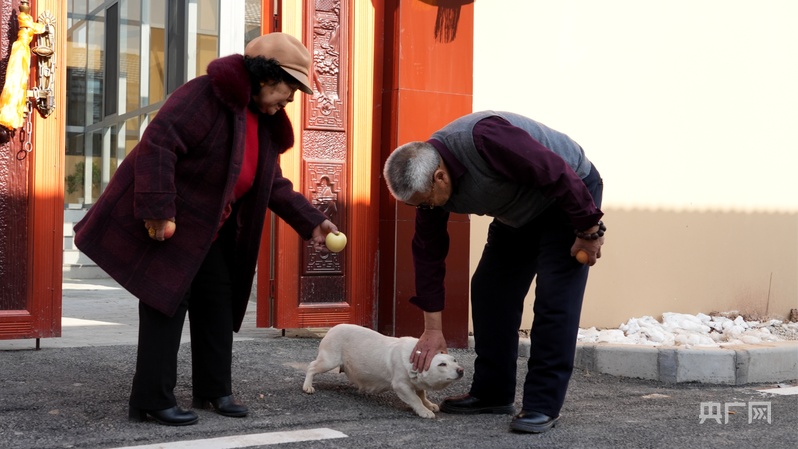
column 72, row 322
column 240, row 441
column 73, row 286
column 784, row 391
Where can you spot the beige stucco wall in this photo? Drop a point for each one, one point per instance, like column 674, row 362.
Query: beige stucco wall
column 688, row 110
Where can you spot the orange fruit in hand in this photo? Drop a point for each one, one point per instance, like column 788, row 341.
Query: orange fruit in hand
column 169, row 229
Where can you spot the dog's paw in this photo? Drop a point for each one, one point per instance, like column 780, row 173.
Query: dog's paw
column 434, row 407
column 308, row 389
column 426, row 413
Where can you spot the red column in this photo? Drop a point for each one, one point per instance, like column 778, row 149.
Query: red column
column 428, row 82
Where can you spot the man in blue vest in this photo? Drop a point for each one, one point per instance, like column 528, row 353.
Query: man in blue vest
column 544, row 195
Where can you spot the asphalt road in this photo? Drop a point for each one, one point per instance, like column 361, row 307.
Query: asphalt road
column 77, row 398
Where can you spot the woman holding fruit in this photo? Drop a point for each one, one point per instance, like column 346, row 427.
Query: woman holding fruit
column 179, row 224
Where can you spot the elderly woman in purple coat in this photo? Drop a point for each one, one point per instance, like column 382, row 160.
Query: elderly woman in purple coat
column 179, row 225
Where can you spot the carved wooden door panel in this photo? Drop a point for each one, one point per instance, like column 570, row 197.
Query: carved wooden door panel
column 15, row 310
column 315, row 288
column 31, row 202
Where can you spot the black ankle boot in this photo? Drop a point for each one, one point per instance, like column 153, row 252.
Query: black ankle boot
column 174, row 416
column 225, row 405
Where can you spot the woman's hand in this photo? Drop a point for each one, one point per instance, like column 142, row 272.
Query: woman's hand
column 320, row 232
column 160, row 229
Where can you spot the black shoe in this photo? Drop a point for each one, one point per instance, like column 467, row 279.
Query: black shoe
column 469, row 405
column 174, row 416
column 225, row 405
column 532, row 422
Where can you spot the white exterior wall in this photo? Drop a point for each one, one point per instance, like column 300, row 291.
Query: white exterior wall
column 688, row 109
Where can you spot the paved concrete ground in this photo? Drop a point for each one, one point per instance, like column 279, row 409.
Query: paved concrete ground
column 73, row 394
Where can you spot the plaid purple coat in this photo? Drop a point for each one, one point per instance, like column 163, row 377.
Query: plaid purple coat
column 185, row 166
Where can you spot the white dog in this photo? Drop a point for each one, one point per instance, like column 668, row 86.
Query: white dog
column 377, row 363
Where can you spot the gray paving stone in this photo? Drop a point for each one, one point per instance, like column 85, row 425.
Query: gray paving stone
column 706, row 365
column 626, row 360
column 771, row 362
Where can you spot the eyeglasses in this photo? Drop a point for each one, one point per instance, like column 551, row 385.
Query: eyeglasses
column 427, row 204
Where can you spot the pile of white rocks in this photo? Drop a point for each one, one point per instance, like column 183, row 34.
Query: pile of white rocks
column 679, row 329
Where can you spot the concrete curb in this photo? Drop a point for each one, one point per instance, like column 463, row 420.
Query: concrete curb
column 731, row 365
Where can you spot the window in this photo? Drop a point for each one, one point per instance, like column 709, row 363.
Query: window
column 123, row 59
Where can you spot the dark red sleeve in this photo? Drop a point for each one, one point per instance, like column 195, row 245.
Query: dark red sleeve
column 430, row 247
column 293, row 207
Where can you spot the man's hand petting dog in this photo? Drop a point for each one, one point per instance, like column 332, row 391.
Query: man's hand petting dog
column 376, row 363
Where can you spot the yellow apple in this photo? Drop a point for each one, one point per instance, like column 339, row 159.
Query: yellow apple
column 582, row 256
column 335, row 242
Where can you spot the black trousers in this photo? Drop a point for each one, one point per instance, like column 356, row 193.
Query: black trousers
column 210, row 313
column 511, row 259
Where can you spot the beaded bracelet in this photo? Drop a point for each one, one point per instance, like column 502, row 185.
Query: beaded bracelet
column 594, row 235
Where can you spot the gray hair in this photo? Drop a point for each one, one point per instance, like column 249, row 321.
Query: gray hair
column 409, row 169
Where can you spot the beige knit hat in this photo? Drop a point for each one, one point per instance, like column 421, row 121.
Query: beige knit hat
column 293, row 57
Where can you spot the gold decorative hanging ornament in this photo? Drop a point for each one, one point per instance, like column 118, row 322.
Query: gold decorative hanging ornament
column 16, row 101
